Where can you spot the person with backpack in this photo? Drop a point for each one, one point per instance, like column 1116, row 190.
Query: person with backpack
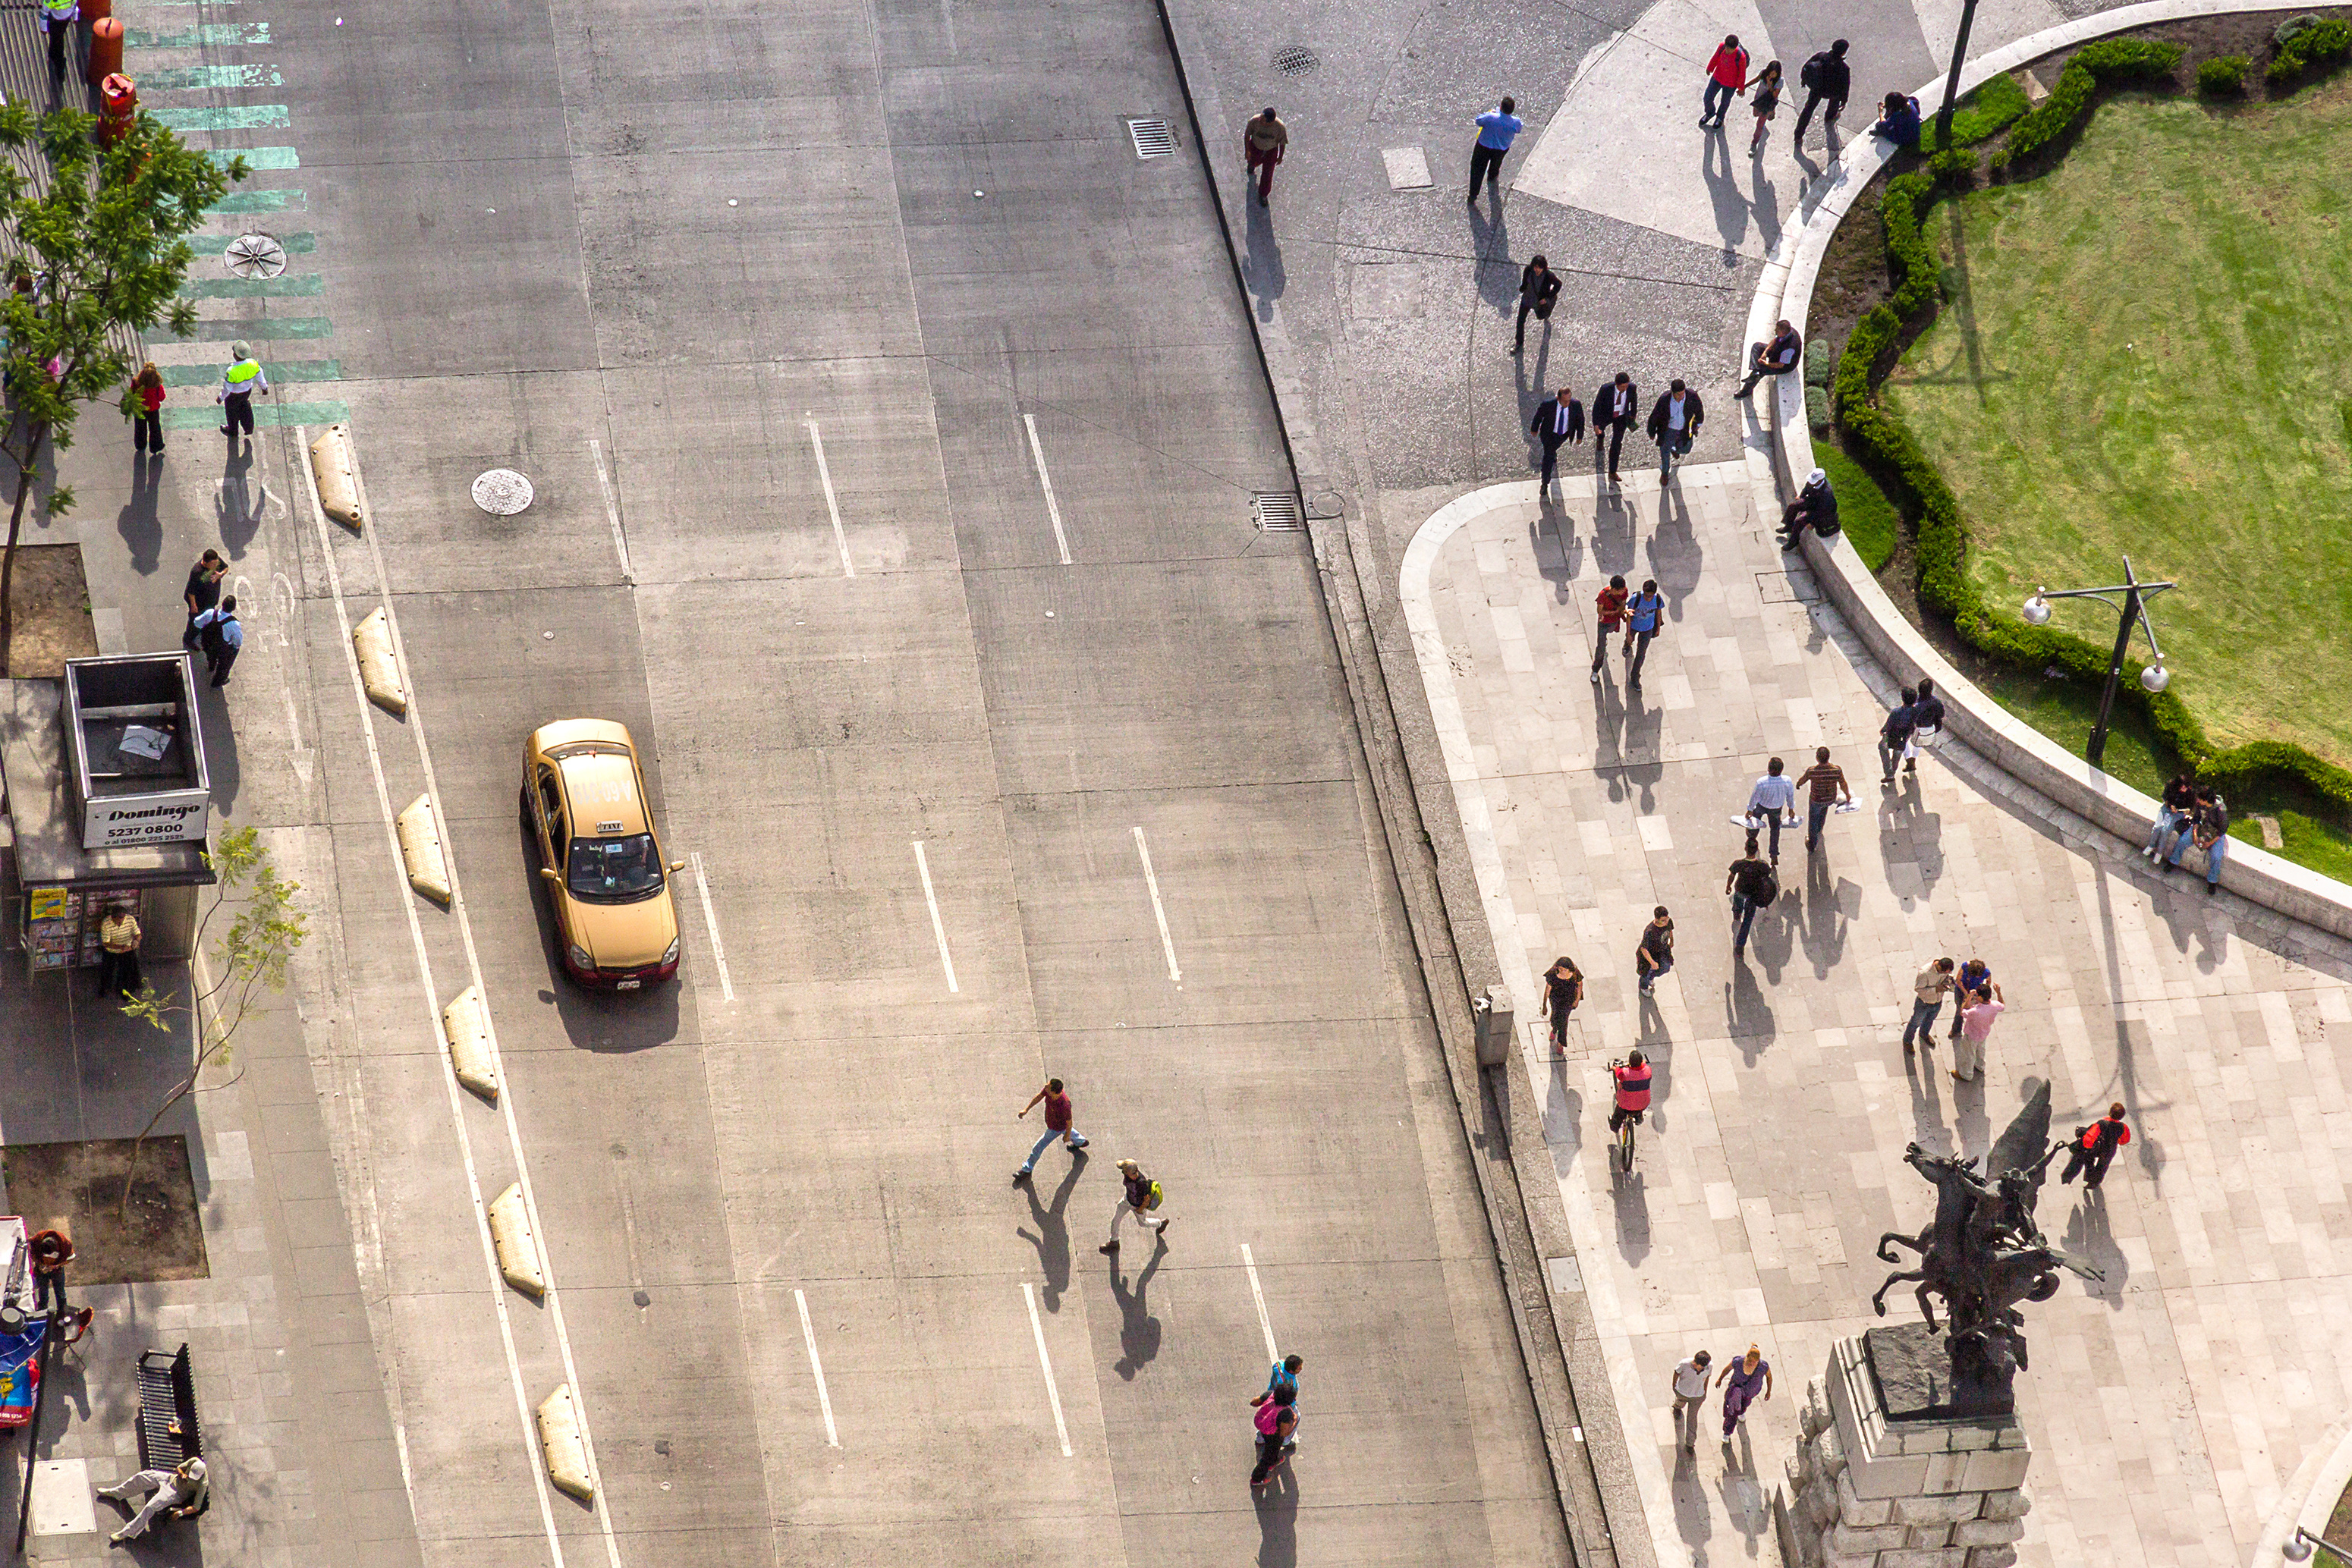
column 222, row 636
column 1563, row 988
column 1141, row 1198
column 1894, row 735
column 2093, row 1148
column 1752, row 885
column 1277, row 1424
column 1609, row 609
column 1826, row 79
column 1281, row 1383
column 1727, row 78
column 1642, row 613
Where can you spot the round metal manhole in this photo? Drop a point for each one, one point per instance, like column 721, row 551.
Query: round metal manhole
column 254, row 256
column 1295, row 61
column 502, row 492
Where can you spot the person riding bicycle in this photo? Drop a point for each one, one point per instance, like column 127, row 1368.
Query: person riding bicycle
column 1633, row 1076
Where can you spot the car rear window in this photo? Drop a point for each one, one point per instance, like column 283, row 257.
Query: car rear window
column 614, row 871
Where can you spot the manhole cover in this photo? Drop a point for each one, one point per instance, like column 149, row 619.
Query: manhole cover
column 502, row 492
column 254, row 256
column 1295, row 61
column 1154, row 138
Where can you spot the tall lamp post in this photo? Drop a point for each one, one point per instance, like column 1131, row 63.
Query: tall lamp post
column 2131, row 609
column 1952, row 82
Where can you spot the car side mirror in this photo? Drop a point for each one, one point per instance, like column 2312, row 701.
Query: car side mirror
column 549, row 872
column 677, row 865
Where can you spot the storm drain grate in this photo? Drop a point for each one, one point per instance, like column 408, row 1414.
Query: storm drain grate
column 1295, row 61
column 1154, row 138
column 1277, row 513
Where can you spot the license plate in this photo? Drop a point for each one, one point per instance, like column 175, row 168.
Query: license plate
column 628, row 985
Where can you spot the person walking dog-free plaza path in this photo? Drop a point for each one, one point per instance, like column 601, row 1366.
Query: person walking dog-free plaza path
column 1057, row 1125
column 1140, row 1194
column 1263, row 142
column 1497, row 128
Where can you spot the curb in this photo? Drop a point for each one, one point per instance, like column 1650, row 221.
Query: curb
column 338, row 478
column 567, row 1452
column 2309, row 1500
column 465, row 1022
column 518, row 1249
column 379, row 666
column 2022, row 753
column 420, row 846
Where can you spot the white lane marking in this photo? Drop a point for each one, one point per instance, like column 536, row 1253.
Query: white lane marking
column 1053, row 1391
column 1053, row 507
column 553, row 1303
column 282, row 604
column 938, row 930
column 824, row 1400
column 1159, row 910
column 832, row 503
column 433, row 1021
column 1265, row 1323
column 611, row 509
column 710, row 923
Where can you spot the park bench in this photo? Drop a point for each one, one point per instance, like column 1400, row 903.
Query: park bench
column 169, row 1431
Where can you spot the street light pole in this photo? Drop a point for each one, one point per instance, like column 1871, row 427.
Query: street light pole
column 1952, row 82
column 2132, row 613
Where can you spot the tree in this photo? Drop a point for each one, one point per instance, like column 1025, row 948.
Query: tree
column 253, row 956
column 93, row 249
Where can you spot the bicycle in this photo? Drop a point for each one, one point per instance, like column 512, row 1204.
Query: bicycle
column 1626, row 1119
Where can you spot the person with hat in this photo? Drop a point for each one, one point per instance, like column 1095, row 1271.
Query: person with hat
column 1816, row 507
column 180, row 1490
column 238, row 383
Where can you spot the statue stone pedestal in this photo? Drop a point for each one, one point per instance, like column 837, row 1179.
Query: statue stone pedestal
column 1904, row 1487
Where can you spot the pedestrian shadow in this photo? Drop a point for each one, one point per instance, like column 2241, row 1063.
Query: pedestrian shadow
column 1560, row 559
column 1139, row 1331
column 1746, row 1016
column 1649, row 1025
column 1694, row 1515
column 1262, row 270
column 1767, row 204
column 1743, row 1494
column 141, row 527
column 1922, row 1066
column 1614, row 530
column 1641, row 767
column 1826, row 914
column 1675, row 552
column 1972, row 1123
column 1630, row 1197
column 222, row 766
column 1053, row 1235
column 1563, row 1124
column 1277, row 1519
column 1609, row 729
column 1723, row 194
column 236, row 508
column 2089, row 1240
column 1490, row 235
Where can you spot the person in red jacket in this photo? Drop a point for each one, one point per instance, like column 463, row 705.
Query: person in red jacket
column 148, row 435
column 1727, row 78
column 2094, row 1148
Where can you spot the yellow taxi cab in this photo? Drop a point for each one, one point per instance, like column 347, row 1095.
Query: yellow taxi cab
column 586, row 797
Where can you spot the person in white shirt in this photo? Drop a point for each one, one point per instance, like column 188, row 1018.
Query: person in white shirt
column 1690, row 1397
column 1773, row 798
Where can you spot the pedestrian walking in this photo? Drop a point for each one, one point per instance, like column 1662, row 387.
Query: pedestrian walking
column 51, row 1250
column 1538, row 292
column 1282, row 1382
column 1642, row 625
column 1276, row 1422
column 202, row 591
column 1739, row 1382
column 2093, row 1148
column 1927, row 724
column 1777, row 358
column 1767, row 84
column 118, row 953
column 1929, row 986
column 1560, row 418
column 57, row 19
column 1674, row 424
column 2208, row 833
column 1654, row 955
column 1814, row 506
column 1975, row 975
column 1899, row 121
column 1609, row 609
column 1140, row 1196
column 1727, row 78
column 1752, row 885
column 2176, row 812
column 179, row 1491
column 1826, row 79
column 1563, row 988
column 1977, row 1018
column 1263, row 142
column 1497, row 128
column 1615, row 407
column 1690, row 1397
column 1057, row 1125
column 1826, row 786
column 222, row 636
column 147, row 424
column 243, row 378
column 1894, row 736
column 1773, row 801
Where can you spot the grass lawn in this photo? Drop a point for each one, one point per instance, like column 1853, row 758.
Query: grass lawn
column 1869, row 519
column 2146, row 353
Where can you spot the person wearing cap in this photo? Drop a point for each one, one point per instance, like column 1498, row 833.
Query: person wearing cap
column 1816, row 507
column 180, row 1490
column 238, row 383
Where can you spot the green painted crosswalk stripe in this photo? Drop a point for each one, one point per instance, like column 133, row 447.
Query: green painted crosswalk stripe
column 264, row 413
column 258, row 157
column 232, row 117
column 276, row 369
column 291, row 287
column 199, row 36
column 210, row 76
column 300, row 244
column 259, row 201
column 261, row 327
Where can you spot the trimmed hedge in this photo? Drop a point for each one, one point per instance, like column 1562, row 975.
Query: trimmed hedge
column 1982, row 115
column 1894, row 457
column 2223, row 75
column 2323, row 43
column 2108, row 63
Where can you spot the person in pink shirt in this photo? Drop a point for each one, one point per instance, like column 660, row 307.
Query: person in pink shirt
column 1976, row 1016
column 1727, row 78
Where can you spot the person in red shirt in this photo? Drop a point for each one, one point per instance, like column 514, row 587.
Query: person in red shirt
column 2094, row 1148
column 1057, row 1125
column 1633, row 1076
column 1727, row 78
column 148, row 435
column 1610, row 606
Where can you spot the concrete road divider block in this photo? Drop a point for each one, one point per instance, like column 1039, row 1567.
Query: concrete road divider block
column 567, row 1450
column 379, row 671
column 420, row 847
column 467, row 1022
column 518, row 1248
column 338, row 483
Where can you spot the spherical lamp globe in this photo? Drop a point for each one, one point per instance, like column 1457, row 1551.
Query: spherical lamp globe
column 2037, row 610
column 2155, row 677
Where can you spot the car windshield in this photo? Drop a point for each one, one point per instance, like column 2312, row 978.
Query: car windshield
column 614, row 871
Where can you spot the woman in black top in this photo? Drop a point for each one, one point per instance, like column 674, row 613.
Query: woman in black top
column 1563, row 988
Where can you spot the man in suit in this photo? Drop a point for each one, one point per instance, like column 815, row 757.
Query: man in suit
column 1674, row 420
column 1614, row 409
column 1558, row 418
column 1538, row 291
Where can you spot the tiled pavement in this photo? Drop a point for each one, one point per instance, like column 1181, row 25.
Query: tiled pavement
column 2169, row 1406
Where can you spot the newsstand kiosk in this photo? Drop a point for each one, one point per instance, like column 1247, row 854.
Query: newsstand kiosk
column 107, row 800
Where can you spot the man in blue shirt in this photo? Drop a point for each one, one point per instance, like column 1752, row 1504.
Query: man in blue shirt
column 222, row 637
column 1641, row 625
column 1497, row 130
